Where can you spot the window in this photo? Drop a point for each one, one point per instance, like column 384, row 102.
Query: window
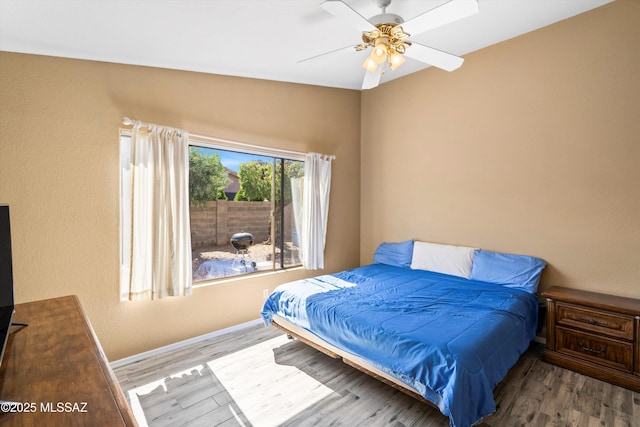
column 249, row 199
column 243, row 215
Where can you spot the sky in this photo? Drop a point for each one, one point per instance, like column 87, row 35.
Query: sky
column 232, row 159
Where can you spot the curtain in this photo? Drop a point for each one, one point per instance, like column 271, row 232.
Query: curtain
column 158, row 261
column 297, row 190
column 315, row 211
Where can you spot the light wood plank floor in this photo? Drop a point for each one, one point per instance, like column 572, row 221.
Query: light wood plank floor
column 257, row 377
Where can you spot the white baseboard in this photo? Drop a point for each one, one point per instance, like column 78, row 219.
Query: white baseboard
column 541, row 340
column 156, row 351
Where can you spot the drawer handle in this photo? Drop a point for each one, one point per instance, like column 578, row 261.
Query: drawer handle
column 593, row 321
column 591, row 350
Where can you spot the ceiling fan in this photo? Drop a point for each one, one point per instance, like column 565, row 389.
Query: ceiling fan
column 389, row 35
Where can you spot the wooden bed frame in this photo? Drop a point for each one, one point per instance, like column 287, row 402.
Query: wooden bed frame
column 306, row 337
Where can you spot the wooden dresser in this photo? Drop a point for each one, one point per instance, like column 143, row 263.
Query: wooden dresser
column 56, row 373
column 595, row 334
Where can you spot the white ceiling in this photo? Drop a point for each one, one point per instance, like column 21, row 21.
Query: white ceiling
column 262, row 39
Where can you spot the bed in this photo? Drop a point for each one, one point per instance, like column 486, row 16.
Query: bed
column 440, row 322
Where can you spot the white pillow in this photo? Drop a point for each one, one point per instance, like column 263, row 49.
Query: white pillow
column 446, row 259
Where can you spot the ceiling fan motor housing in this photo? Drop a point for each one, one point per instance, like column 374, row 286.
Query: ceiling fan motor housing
column 386, row 18
column 390, row 35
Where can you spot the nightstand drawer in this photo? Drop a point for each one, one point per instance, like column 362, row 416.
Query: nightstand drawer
column 601, row 350
column 606, row 323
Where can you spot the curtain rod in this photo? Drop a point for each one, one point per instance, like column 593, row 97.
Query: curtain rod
column 210, row 139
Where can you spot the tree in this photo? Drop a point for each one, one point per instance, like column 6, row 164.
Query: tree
column 207, row 177
column 255, row 181
column 256, row 177
column 292, row 169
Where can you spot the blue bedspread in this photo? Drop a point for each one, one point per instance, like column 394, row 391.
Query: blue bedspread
column 451, row 339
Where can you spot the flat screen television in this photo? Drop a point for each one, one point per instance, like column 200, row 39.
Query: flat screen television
column 6, row 279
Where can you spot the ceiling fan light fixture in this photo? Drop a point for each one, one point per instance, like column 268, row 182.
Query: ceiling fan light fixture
column 380, row 51
column 395, row 59
column 370, row 65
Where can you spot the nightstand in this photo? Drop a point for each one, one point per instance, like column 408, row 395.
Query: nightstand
column 595, row 334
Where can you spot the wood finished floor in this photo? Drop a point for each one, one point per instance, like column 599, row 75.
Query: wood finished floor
column 257, row 377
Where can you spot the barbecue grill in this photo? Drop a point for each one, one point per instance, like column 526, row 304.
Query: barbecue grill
column 241, row 242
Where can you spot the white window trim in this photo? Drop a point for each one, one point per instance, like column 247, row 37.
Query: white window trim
column 243, row 147
column 215, row 143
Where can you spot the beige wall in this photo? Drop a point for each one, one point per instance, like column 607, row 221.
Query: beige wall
column 59, row 121
column 531, row 147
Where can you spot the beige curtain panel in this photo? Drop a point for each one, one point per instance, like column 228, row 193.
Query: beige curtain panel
column 157, row 231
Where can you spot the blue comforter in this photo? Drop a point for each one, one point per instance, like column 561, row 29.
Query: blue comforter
column 451, row 339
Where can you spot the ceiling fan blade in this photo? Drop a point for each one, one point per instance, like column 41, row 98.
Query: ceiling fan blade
column 350, row 48
column 343, row 11
column 371, row 80
column 434, row 57
column 441, row 15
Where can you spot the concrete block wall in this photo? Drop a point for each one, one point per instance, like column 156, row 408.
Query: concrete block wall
column 215, row 223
